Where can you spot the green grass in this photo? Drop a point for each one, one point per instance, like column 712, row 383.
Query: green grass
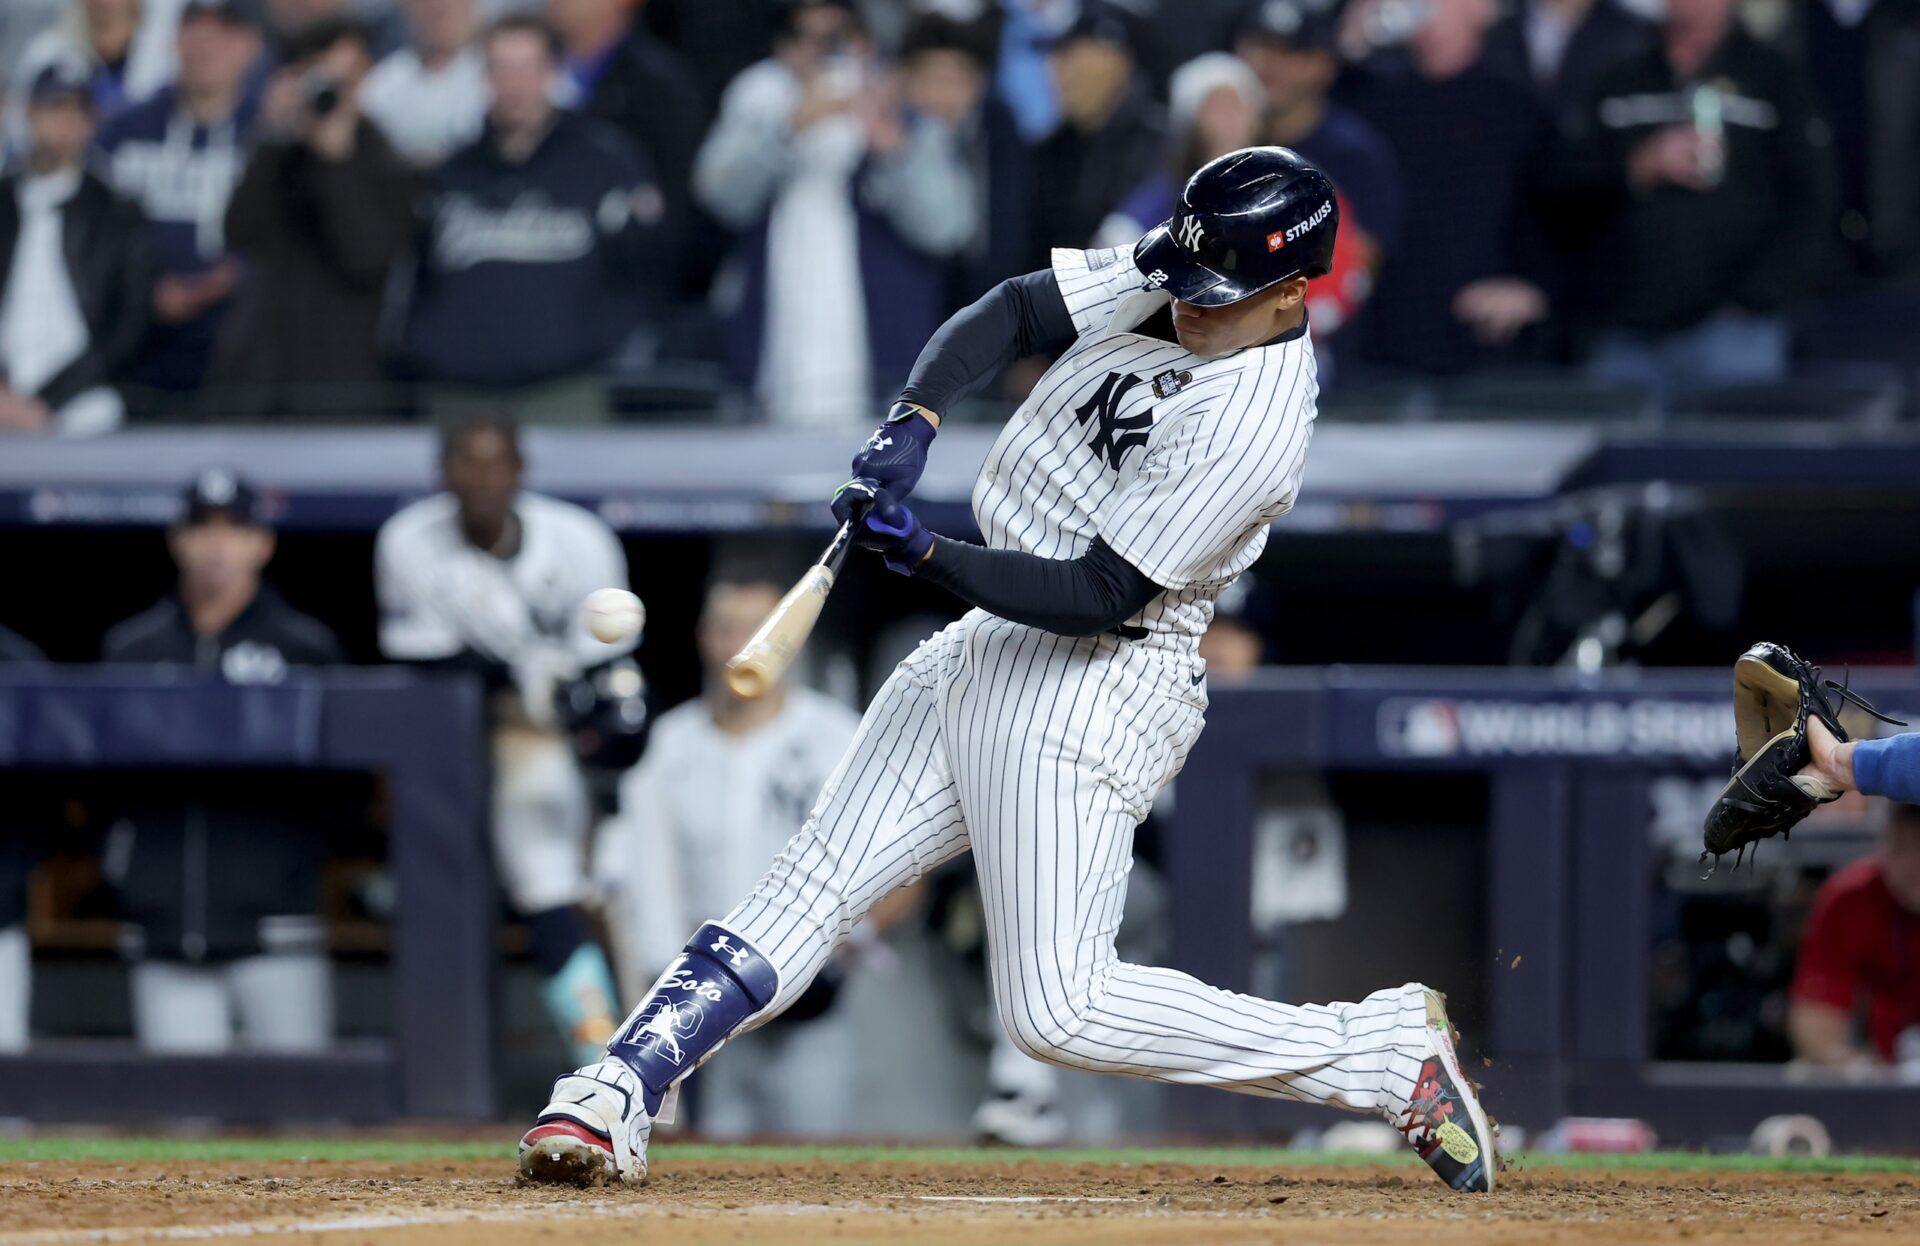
column 180, row 1150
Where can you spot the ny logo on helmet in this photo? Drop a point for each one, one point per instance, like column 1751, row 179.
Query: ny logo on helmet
column 1115, row 434
column 1189, row 233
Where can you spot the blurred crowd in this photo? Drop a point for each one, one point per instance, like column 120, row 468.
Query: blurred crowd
column 327, row 209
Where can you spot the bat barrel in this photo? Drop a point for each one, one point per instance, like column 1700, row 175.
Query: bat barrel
column 764, row 659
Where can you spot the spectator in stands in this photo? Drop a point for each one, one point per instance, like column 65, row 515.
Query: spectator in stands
column 179, row 155
column 490, row 578
column 1863, row 59
column 1710, row 182
column 20, row 851
column 430, row 97
column 848, row 206
column 1290, row 45
column 538, row 251
column 1561, row 47
column 1022, row 76
column 617, row 71
column 1217, row 105
column 126, row 46
column 1861, row 950
column 947, row 66
column 75, row 274
column 724, row 785
column 323, row 209
column 1460, row 285
column 220, row 884
column 1111, row 138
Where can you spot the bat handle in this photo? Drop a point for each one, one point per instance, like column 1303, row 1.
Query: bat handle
column 836, row 552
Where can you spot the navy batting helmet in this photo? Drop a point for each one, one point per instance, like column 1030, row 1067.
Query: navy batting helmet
column 1244, row 222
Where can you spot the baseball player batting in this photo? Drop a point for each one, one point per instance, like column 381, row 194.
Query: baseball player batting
column 1131, row 487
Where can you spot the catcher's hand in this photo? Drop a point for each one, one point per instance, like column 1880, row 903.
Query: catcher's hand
column 1775, row 691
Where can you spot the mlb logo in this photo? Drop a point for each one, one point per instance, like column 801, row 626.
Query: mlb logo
column 1276, row 240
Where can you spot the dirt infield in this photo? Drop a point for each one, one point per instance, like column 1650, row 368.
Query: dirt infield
column 690, row 1202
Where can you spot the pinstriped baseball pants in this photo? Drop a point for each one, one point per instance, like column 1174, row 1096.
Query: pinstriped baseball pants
column 1042, row 753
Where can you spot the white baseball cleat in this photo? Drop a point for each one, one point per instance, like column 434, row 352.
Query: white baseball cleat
column 1444, row 1122
column 593, row 1132
column 1026, row 1119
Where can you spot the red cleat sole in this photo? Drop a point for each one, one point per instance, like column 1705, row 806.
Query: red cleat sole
column 566, row 1153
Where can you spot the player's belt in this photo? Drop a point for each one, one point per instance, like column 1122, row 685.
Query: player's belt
column 1129, row 633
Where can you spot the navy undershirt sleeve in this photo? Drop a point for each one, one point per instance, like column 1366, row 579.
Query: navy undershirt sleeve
column 1021, row 316
column 1082, row 596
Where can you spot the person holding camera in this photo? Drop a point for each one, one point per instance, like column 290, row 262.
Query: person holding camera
column 846, row 205
column 322, row 211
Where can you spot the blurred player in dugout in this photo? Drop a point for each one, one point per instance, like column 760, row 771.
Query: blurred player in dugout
column 723, row 783
column 489, row 577
column 219, row 882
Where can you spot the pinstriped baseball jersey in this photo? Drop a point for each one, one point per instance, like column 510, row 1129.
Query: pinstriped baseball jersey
column 1177, row 462
column 1041, row 752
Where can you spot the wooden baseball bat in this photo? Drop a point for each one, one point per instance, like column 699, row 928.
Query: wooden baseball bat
column 765, row 658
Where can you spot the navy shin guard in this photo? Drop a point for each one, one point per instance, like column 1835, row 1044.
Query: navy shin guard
column 707, row 993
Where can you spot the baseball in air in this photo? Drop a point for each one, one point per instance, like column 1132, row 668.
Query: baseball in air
column 614, row 615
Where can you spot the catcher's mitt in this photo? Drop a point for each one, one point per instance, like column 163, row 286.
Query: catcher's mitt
column 1774, row 691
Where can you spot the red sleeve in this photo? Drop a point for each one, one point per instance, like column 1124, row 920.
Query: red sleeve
column 1829, row 968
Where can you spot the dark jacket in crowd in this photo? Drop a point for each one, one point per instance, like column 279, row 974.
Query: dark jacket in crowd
column 645, row 91
column 227, row 866
column 534, row 270
column 1467, row 149
column 1668, row 258
column 1079, row 177
column 109, row 262
column 1002, row 168
column 1866, row 82
column 1607, row 35
column 714, row 39
column 182, row 175
column 319, row 237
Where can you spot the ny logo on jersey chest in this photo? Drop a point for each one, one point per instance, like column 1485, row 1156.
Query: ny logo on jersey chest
column 1114, row 434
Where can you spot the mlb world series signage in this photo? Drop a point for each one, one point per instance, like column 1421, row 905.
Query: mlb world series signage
column 1663, row 727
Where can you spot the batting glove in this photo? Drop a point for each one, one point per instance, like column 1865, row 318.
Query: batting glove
column 896, row 454
column 891, row 530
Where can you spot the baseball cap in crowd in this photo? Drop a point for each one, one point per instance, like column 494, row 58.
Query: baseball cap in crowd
column 1105, row 21
column 219, row 492
column 60, row 80
column 1297, row 25
column 233, row 12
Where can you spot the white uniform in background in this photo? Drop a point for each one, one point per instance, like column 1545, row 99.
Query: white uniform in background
column 16, row 988
column 1042, row 752
column 700, row 817
column 440, row 597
